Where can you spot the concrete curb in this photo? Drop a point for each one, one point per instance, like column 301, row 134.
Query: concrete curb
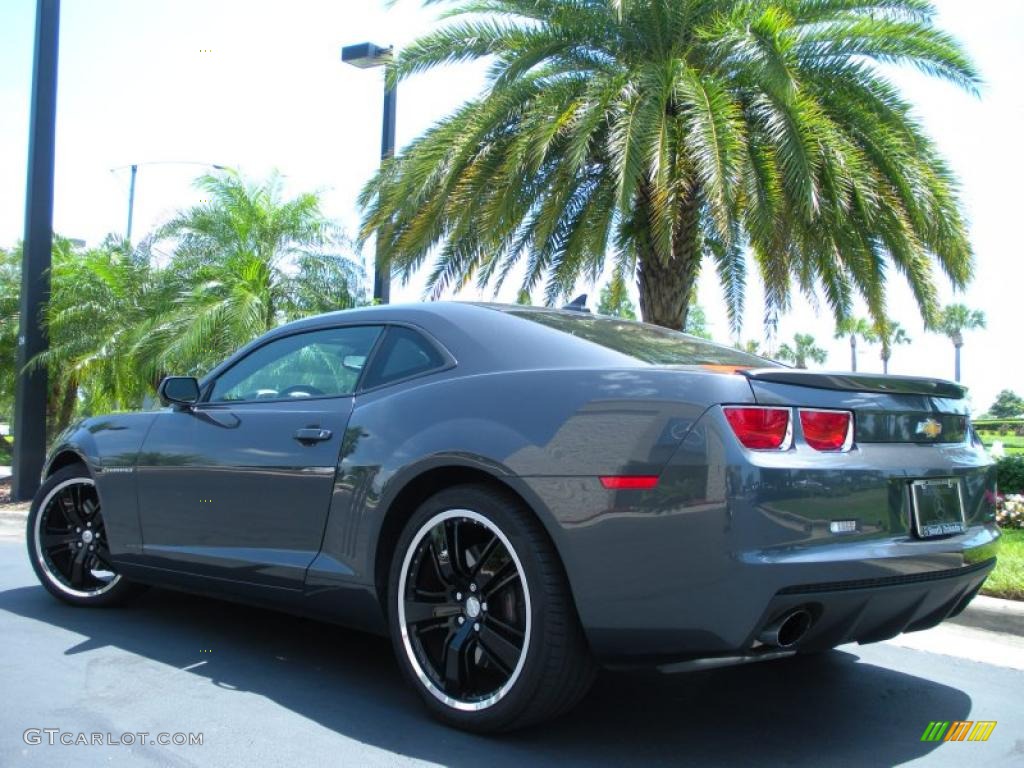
column 993, row 614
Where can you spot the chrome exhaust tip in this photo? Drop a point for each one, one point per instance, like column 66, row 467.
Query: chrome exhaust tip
column 788, row 630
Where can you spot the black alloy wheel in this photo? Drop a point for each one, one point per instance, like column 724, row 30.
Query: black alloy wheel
column 67, row 541
column 465, row 612
column 482, row 619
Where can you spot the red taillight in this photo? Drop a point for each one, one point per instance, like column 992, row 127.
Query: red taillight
column 827, row 430
column 629, row 482
column 760, row 428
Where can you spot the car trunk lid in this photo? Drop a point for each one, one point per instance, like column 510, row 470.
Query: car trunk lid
column 887, row 409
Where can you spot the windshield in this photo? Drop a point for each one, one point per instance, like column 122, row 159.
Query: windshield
column 649, row 343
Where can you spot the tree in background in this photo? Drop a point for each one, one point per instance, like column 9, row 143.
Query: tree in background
column 953, row 321
column 10, row 289
column 802, row 350
column 889, row 335
column 663, row 133
column 750, row 345
column 117, row 322
column 697, row 321
column 98, row 298
column 1008, row 405
column 615, row 299
column 855, row 328
column 244, row 261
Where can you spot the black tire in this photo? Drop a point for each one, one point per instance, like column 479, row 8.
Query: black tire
column 66, row 509
column 556, row 668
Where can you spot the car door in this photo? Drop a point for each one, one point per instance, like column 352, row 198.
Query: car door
column 238, row 486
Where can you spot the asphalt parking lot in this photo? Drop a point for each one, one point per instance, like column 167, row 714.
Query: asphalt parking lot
column 268, row 689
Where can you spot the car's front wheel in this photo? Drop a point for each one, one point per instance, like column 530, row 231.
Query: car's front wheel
column 67, row 542
column 481, row 615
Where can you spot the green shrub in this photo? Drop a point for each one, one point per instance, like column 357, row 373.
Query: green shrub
column 1002, row 426
column 1010, row 474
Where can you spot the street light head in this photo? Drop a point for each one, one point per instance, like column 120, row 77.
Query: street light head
column 366, row 55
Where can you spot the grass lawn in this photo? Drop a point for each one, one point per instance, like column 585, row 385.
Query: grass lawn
column 1007, row 580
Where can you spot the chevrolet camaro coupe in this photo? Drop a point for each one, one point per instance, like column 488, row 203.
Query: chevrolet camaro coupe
column 518, row 496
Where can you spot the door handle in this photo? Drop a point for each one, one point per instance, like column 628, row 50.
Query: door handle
column 312, row 435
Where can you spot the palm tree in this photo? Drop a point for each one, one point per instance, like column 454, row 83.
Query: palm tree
column 803, row 349
column 854, row 327
column 661, row 133
column 98, row 298
column 953, row 321
column 244, row 261
column 10, row 290
column 890, row 335
column 614, row 300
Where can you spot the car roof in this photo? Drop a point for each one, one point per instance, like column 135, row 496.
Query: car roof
column 480, row 338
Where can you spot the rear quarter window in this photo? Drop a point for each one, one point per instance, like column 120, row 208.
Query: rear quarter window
column 403, row 353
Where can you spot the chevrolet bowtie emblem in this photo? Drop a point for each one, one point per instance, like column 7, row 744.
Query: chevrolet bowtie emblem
column 929, row 428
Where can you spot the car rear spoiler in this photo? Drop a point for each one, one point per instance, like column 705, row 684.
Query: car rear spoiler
column 859, row 382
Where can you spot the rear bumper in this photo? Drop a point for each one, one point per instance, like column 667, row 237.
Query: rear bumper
column 864, row 611
column 866, row 599
column 870, row 610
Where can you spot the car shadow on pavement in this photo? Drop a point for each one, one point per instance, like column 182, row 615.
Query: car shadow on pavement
column 826, row 710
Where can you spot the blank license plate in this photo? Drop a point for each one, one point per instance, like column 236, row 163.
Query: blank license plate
column 938, row 507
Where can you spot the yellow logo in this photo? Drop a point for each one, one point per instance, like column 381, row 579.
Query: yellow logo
column 960, row 730
column 929, row 428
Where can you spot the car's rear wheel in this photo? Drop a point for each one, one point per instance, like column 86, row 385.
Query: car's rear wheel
column 67, row 542
column 481, row 615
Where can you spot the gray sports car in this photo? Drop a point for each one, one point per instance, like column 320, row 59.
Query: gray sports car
column 519, row 495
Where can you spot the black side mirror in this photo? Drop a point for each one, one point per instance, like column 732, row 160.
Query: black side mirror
column 178, row 390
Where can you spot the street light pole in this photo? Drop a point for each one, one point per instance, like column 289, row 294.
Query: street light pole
column 32, row 384
column 131, row 203
column 134, row 167
column 368, row 56
column 382, row 269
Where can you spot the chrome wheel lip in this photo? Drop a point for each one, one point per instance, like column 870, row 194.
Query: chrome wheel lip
column 421, row 675
column 41, row 555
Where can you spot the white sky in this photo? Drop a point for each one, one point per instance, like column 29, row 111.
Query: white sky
column 136, row 85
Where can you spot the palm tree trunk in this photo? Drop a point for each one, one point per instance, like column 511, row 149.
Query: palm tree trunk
column 667, row 285
column 885, row 364
column 61, row 408
column 853, row 352
column 956, row 368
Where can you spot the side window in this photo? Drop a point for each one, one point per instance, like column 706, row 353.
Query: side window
column 402, row 354
column 323, row 363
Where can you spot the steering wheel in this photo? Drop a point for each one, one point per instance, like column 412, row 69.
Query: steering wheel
column 302, row 390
